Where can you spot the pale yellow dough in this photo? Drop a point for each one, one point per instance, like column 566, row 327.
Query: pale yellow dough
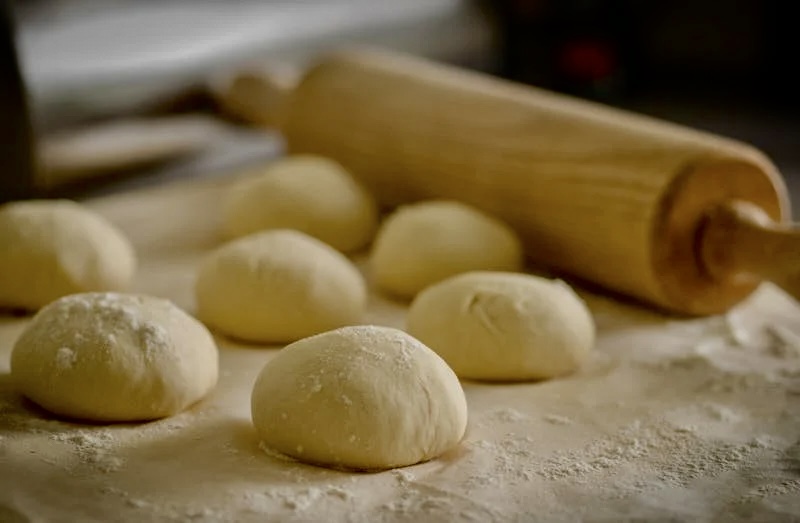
column 311, row 194
column 278, row 286
column 421, row 244
column 114, row 357
column 503, row 326
column 362, row 397
column 51, row 248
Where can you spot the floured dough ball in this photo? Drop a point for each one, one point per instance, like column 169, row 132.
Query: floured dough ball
column 52, row 248
column 278, row 286
column 421, row 244
column 114, row 357
column 308, row 193
column 361, row 397
column 503, row 326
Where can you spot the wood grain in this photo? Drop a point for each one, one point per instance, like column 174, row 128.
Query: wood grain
column 597, row 193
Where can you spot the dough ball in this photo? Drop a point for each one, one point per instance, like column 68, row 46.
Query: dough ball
column 503, row 326
column 52, row 248
column 308, row 193
column 278, row 286
column 114, row 357
column 361, row 397
column 421, row 244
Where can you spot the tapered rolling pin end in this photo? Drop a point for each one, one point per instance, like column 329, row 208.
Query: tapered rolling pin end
column 740, row 242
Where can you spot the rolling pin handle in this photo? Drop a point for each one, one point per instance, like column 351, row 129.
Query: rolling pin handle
column 739, row 241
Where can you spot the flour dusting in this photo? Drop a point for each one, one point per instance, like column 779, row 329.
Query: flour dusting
column 154, row 339
column 786, row 342
column 672, row 419
column 673, row 455
column 555, row 419
column 65, row 358
column 507, row 415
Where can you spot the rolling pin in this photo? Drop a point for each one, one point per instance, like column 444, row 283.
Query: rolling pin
column 682, row 219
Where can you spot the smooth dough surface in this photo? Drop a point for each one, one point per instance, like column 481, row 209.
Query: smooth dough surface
column 311, row 194
column 114, row 357
column 52, row 248
column 361, row 397
column 504, row 326
column 421, row 244
column 278, row 286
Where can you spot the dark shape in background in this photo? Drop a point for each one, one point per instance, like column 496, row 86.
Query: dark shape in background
column 726, row 67
column 615, row 50
column 16, row 148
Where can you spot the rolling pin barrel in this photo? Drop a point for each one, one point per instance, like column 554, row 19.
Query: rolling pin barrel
column 607, row 196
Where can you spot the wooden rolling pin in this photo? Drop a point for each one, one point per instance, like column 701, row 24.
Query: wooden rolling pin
column 685, row 220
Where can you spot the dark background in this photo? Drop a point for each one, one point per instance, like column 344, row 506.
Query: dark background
column 727, row 67
column 614, row 49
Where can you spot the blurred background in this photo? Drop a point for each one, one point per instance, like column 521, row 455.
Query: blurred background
column 720, row 66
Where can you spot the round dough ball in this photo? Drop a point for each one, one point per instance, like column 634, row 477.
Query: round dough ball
column 421, row 244
column 52, row 248
column 308, row 193
column 114, row 357
column 503, row 326
column 361, row 397
column 278, row 286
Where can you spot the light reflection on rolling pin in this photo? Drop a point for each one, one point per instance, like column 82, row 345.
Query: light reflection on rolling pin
column 621, row 200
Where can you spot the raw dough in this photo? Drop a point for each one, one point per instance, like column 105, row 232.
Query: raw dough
column 361, row 397
column 51, row 248
column 503, row 326
column 421, row 244
column 278, row 286
column 670, row 420
column 114, row 357
column 308, row 193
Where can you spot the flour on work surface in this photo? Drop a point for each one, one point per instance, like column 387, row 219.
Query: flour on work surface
column 671, row 420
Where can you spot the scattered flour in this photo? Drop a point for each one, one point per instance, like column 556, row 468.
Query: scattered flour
column 65, row 358
column 302, row 499
column 555, row 419
column 425, row 502
column 723, row 413
column 703, row 415
column 787, row 486
column 93, row 447
column 154, row 338
column 737, row 333
column 339, row 492
column 201, row 513
column 137, row 503
column 403, row 476
column 274, row 453
column 674, row 455
column 507, row 415
column 785, row 342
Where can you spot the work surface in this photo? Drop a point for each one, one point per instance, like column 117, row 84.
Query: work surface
column 671, row 420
